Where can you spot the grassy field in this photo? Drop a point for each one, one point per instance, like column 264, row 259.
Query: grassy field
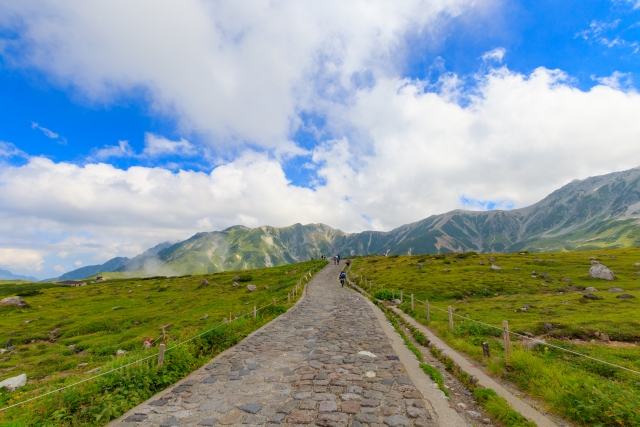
column 67, row 331
column 550, row 305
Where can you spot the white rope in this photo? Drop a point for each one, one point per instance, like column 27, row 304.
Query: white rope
column 536, row 340
column 522, row 336
column 134, row 362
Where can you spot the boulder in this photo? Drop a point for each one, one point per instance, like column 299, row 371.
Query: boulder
column 537, row 260
column 495, row 267
column 548, row 326
column 603, row 337
column 13, row 302
column 590, row 289
column 204, row 282
column 14, row 382
column 252, row 288
column 120, row 353
column 533, row 273
column 491, row 259
column 481, row 262
column 600, row 271
column 266, row 288
column 544, row 275
column 236, row 278
column 614, row 290
column 590, row 296
column 235, row 284
column 594, row 262
column 625, row 296
column 637, row 264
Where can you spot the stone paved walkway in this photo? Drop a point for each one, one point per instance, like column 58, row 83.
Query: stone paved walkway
column 325, row 362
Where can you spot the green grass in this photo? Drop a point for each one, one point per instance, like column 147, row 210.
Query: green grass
column 604, row 395
column 99, row 319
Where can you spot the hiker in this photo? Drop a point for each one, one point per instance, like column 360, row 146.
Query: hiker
column 335, row 260
column 342, row 277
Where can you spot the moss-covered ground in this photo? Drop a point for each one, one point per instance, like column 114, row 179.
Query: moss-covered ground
column 67, row 331
column 548, row 304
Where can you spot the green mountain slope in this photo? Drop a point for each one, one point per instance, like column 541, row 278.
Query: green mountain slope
column 597, row 212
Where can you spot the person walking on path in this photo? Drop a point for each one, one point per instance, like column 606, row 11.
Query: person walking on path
column 342, row 277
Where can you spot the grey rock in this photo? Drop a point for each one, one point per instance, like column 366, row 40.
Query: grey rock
column 590, row 296
column 170, row 422
column 625, row 296
column 600, row 271
column 14, row 382
column 208, row 422
column 136, row 418
column 474, row 414
column 210, row 380
column 590, row 289
column 13, row 302
column 396, row 421
column 160, row 402
column 302, row 395
column 495, row 267
column 252, row 288
column 615, row 290
column 252, row 408
column 548, row 326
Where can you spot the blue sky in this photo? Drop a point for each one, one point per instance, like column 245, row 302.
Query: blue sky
column 356, row 118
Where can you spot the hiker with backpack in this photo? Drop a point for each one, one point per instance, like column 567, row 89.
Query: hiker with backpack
column 343, row 277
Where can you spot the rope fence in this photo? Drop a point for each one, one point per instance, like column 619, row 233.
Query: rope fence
column 162, row 351
column 504, row 329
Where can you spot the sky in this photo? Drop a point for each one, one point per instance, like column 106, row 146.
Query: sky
column 125, row 124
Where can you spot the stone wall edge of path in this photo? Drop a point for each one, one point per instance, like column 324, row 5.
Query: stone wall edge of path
column 220, row 355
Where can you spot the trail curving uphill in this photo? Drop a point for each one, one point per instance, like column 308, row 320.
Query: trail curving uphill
column 326, row 362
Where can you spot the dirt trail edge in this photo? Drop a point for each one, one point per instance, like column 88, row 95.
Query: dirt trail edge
column 328, row 361
column 483, row 379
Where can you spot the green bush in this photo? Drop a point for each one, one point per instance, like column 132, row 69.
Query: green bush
column 383, row 294
column 245, row 278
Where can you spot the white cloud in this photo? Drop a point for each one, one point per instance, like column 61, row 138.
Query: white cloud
column 617, row 80
column 123, row 149
column 58, row 268
column 20, row 259
column 63, row 254
column 237, row 71
column 155, row 145
column 48, row 133
column 77, row 263
column 411, row 154
column 8, row 149
column 496, row 54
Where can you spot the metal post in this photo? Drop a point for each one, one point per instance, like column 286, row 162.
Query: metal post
column 161, row 355
column 426, row 303
column 451, row 318
column 254, row 312
column 411, row 302
column 401, row 299
column 485, row 349
column 507, row 339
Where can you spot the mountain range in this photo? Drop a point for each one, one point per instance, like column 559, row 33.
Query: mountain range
column 597, row 212
column 7, row 275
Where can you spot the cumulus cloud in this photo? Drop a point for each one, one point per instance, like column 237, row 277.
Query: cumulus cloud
column 496, row 54
column 413, row 154
column 22, row 259
column 617, row 80
column 239, row 72
column 77, row 263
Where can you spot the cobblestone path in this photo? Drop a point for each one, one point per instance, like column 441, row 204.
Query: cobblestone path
column 325, row 362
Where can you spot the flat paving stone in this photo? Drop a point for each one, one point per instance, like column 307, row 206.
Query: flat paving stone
column 303, row 368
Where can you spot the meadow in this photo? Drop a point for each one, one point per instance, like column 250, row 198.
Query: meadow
column 541, row 295
column 70, row 333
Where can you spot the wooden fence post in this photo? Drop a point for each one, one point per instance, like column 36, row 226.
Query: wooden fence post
column 507, row 339
column 411, row 302
column 451, row 318
column 274, row 301
column 161, row 355
column 255, row 312
column 401, row 299
column 426, row 303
